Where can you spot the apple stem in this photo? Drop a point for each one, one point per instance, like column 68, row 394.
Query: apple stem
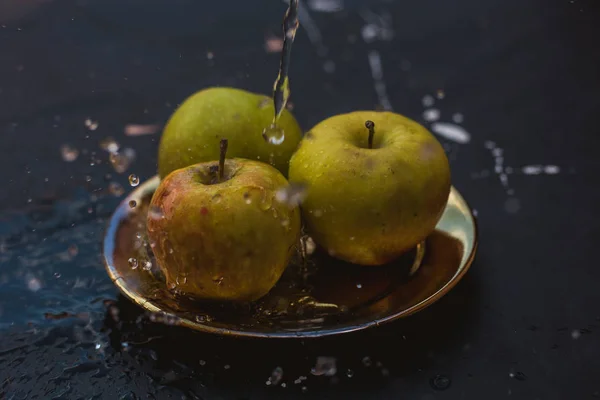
column 370, row 125
column 223, row 152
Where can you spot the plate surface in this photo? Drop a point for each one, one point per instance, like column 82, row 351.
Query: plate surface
column 321, row 297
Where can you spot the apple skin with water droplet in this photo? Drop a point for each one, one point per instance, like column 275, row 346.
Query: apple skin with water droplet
column 387, row 198
column 193, row 132
column 230, row 239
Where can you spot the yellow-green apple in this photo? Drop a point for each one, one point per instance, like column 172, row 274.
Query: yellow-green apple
column 217, row 232
column 377, row 184
column 193, row 132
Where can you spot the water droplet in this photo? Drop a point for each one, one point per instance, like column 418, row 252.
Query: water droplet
column 91, row 125
column 147, row 265
column 325, row 366
column 317, row 213
column 203, row 318
column 304, row 389
column 68, row 153
column 218, row 279
column 359, row 286
column 155, row 213
column 202, row 362
column 451, row 132
column 427, row 101
column 309, row 244
column 273, row 134
column 367, row 361
column 88, row 178
column 291, row 195
column 109, row 144
column 217, row 198
column 576, row 334
column 227, row 366
column 431, row 114
column 132, row 203
column 458, row 118
column 285, row 223
column 276, row 376
column 440, row 382
column 440, row 94
column 518, row 375
column 57, row 275
column 210, row 55
column 116, row 189
column 34, row 284
column 120, row 161
column 133, row 262
column 248, row 198
column 349, row 373
column 134, row 180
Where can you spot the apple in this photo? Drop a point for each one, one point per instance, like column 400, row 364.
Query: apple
column 377, row 184
column 217, row 232
column 193, row 131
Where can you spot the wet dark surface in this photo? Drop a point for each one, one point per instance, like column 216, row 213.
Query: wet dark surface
column 523, row 323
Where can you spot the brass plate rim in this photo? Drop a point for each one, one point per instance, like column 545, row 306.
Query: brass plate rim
column 152, row 183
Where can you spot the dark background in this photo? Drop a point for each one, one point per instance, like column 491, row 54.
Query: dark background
column 524, row 322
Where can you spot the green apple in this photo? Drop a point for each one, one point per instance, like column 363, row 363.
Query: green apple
column 193, row 132
column 217, row 231
column 369, row 204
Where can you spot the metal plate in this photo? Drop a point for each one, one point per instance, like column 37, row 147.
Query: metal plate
column 324, row 297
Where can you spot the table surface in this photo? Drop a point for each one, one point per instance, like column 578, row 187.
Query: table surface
column 517, row 81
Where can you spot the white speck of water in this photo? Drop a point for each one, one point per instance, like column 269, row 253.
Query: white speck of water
column 326, row 6
column 91, row 125
column 359, row 286
column 451, row 132
column 325, row 366
column 34, row 284
column 134, row 180
column 292, row 195
column 155, row 213
column 369, row 32
column 576, row 334
column 379, row 83
column 276, row 376
column 309, row 244
column 440, row 94
column 458, row 118
column 427, row 100
column 551, row 169
column 431, row 114
column 532, row 169
column 139, row 130
column 68, row 153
